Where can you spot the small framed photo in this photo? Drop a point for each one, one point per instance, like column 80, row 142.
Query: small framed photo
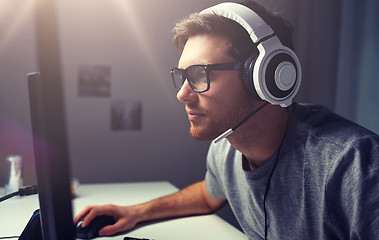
column 126, row 115
column 94, row 81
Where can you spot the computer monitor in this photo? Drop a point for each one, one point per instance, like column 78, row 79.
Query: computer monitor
column 51, row 158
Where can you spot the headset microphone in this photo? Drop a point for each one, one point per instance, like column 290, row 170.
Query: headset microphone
column 231, row 130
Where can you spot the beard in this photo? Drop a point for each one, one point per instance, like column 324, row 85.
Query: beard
column 204, row 130
column 213, row 126
column 202, row 133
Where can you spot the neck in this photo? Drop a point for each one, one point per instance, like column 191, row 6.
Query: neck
column 259, row 138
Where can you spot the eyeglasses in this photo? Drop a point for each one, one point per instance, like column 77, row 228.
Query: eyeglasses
column 198, row 75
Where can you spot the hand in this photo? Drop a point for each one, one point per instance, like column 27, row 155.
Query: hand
column 124, row 216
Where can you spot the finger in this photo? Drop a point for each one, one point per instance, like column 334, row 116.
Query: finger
column 109, row 230
column 81, row 214
column 97, row 211
column 89, row 217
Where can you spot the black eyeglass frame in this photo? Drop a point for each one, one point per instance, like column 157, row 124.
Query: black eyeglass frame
column 207, row 68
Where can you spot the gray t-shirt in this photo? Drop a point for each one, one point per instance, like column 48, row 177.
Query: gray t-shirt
column 324, row 183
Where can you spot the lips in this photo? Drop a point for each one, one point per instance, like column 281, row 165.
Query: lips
column 194, row 115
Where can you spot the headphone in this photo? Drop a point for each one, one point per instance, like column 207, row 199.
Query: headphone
column 272, row 74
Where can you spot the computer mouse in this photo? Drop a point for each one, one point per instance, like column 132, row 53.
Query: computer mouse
column 92, row 230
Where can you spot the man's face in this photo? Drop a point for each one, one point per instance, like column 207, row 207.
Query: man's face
column 226, row 103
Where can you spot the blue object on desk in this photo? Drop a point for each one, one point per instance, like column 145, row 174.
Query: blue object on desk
column 32, row 230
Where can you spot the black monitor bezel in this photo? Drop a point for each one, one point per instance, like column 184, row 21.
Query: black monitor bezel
column 49, row 128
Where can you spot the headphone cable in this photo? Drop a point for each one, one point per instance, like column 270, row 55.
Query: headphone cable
column 272, row 171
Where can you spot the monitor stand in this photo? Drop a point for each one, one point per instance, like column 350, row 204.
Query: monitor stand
column 32, row 230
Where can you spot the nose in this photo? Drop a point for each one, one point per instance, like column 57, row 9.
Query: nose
column 186, row 93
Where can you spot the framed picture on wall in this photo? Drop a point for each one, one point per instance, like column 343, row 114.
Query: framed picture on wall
column 126, row 115
column 94, row 81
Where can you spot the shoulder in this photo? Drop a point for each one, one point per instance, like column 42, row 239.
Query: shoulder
column 326, row 127
column 352, row 187
column 343, row 149
column 349, row 154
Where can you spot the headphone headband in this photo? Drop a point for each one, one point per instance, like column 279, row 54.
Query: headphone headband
column 247, row 18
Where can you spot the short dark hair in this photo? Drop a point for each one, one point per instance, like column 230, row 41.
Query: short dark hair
column 240, row 44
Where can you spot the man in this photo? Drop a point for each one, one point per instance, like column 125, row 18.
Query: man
column 288, row 171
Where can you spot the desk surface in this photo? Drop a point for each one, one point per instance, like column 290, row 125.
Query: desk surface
column 16, row 212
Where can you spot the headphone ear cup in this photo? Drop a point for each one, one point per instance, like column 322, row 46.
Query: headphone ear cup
column 247, row 76
column 276, row 73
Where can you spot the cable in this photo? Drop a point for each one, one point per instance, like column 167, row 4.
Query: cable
column 9, row 237
column 8, row 196
column 272, row 171
column 25, row 191
column 248, row 116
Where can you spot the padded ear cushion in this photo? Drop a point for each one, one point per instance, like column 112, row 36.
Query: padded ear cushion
column 247, row 76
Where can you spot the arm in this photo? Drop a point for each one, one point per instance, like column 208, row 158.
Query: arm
column 191, row 200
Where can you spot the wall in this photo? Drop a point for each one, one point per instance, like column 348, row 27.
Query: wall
column 356, row 95
column 17, row 57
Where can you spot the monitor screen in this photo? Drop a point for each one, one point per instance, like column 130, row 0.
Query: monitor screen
column 51, row 159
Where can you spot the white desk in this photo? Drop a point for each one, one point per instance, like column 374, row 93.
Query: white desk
column 16, row 212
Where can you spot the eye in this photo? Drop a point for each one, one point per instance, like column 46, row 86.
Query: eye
column 197, row 73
